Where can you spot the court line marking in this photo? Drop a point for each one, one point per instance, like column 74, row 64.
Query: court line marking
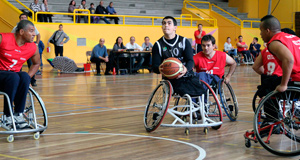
column 202, row 152
column 7, row 156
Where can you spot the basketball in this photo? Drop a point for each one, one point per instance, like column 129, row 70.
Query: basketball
column 171, row 68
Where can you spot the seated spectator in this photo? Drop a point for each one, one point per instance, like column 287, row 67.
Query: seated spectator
column 110, row 9
column 147, row 46
column 139, row 59
column 45, row 8
column 242, row 48
column 254, row 47
column 72, row 6
column 36, row 7
column 229, row 49
column 99, row 54
column 101, row 10
column 118, row 47
column 83, row 6
column 92, row 11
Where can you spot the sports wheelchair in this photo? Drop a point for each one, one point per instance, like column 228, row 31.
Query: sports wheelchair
column 185, row 113
column 244, row 59
column 35, row 115
column 277, row 123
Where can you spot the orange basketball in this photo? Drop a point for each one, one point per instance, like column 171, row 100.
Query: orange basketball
column 171, row 68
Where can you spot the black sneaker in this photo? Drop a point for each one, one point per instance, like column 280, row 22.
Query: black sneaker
column 107, row 73
column 98, row 74
column 33, row 84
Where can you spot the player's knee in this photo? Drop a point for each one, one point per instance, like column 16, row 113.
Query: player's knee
column 24, row 78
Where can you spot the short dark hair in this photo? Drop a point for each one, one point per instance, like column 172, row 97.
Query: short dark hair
column 91, row 4
column 208, row 37
column 270, row 22
column 23, row 24
column 200, row 24
column 256, row 38
column 287, row 30
column 173, row 19
column 228, row 37
column 146, row 37
column 110, row 3
column 60, row 25
column 22, row 15
column 240, row 36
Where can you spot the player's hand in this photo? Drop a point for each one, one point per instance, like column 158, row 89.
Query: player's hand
column 281, row 88
column 227, row 80
column 183, row 72
column 61, row 42
column 106, row 59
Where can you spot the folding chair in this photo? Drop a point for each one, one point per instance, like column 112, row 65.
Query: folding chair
column 88, row 61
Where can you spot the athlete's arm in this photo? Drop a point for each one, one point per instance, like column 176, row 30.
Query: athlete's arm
column 35, row 63
column 156, row 59
column 0, row 38
column 231, row 62
column 287, row 59
column 258, row 65
column 38, row 38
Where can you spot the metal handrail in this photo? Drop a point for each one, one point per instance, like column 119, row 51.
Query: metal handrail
column 242, row 24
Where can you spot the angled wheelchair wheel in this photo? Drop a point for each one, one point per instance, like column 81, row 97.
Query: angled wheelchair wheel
column 157, row 106
column 279, row 132
column 212, row 106
column 33, row 100
column 228, row 100
column 255, row 101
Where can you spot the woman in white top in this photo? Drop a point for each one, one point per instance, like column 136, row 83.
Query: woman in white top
column 45, row 8
column 230, row 50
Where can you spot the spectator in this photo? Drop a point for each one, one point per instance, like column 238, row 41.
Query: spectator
column 92, row 11
column 242, row 48
column 198, row 36
column 59, row 37
column 254, row 47
column 101, row 10
column 45, row 8
column 136, row 57
column 36, row 7
column 41, row 49
column 23, row 16
column 72, row 6
column 229, row 49
column 147, row 46
column 110, row 9
column 99, row 54
column 118, row 47
column 14, row 82
column 83, row 6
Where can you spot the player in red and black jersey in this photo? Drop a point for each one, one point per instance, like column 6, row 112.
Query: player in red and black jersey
column 15, row 50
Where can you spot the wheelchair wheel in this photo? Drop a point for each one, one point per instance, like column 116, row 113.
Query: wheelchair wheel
column 212, row 106
column 279, row 132
column 228, row 100
column 157, row 106
column 34, row 101
column 256, row 100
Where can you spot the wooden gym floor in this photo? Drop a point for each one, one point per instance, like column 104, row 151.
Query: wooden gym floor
column 93, row 117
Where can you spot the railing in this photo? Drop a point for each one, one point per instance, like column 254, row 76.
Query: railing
column 185, row 3
column 32, row 13
column 241, row 23
column 6, row 23
column 124, row 17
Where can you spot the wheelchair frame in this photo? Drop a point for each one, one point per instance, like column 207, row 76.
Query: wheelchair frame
column 190, row 110
column 282, row 135
column 31, row 118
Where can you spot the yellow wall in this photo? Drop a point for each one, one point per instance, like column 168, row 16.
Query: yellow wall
column 94, row 32
column 8, row 14
column 259, row 8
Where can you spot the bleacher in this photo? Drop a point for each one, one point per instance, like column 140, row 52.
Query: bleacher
column 153, row 8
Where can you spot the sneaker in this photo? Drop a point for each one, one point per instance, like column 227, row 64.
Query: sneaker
column 98, row 74
column 107, row 73
column 33, row 84
column 38, row 72
column 20, row 121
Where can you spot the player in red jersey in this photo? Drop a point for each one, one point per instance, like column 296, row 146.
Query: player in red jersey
column 213, row 62
column 242, row 47
column 284, row 47
column 15, row 49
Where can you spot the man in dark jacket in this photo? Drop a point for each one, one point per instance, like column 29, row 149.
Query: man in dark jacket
column 101, row 10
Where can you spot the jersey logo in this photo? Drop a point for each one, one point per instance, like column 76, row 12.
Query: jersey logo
column 270, row 57
column 211, row 62
column 17, row 50
column 23, row 59
column 216, row 68
column 297, row 43
column 165, row 48
column 291, row 36
column 6, row 54
column 180, row 45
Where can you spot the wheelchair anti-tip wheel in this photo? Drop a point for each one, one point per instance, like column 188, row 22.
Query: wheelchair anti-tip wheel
column 157, row 106
column 279, row 132
column 228, row 100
